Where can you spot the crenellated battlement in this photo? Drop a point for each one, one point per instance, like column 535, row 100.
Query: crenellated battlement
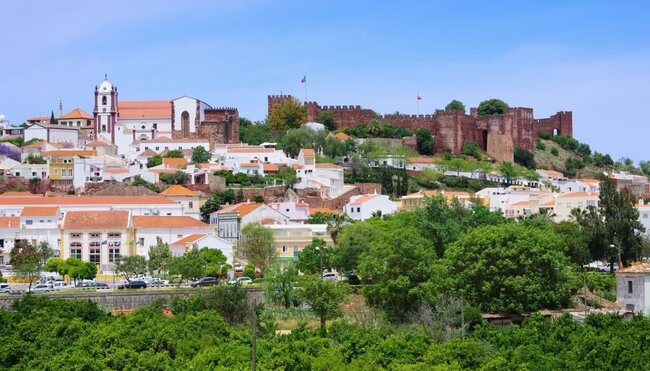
column 224, row 109
column 331, row 108
column 403, row 116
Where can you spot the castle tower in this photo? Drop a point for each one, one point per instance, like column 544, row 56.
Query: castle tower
column 105, row 112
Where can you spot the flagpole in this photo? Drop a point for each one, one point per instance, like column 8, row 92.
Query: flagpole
column 305, row 77
column 417, row 98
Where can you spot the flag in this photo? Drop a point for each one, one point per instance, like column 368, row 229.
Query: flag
column 104, row 242
column 303, row 80
column 419, row 97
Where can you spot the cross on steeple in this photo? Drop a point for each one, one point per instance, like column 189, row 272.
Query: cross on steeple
column 105, row 76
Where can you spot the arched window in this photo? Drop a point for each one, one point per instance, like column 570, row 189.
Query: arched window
column 185, row 124
column 104, row 100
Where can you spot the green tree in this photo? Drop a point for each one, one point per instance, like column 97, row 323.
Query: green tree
column 257, row 245
column 288, row 175
column 80, row 270
column 491, row 107
column 138, row 181
column 28, row 259
column 425, row 142
column 525, row 158
column 32, row 159
column 294, row 140
column 131, row 266
column 190, row 266
column 514, row 268
column 57, row 265
column 455, row 105
column 159, row 257
column 395, row 263
column 287, row 114
column 309, row 258
column 216, row 262
column 472, row 149
column 254, row 133
column 327, row 118
column 645, row 167
column 154, row 160
column 178, row 177
column 214, row 202
column 200, row 155
column 507, row 171
column 174, row 153
column 53, row 120
column 324, row 298
column 280, row 285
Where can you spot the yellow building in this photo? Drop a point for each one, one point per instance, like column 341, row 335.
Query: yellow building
column 61, row 163
column 290, row 239
column 419, row 199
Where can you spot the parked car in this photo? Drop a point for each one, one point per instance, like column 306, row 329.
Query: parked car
column 5, row 288
column 242, row 281
column 60, row 285
column 99, row 285
column 41, row 287
column 133, row 285
column 157, row 282
column 205, row 281
column 331, row 276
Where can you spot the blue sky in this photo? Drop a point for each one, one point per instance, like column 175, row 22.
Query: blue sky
column 590, row 57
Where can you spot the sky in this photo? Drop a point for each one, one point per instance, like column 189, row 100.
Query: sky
column 589, row 57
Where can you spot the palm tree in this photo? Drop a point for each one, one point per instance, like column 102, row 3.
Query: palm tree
column 336, row 223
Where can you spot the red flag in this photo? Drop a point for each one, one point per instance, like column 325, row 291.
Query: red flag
column 419, row 97
column 303, row 80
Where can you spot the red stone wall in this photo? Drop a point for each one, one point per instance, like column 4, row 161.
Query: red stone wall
column 311, row 197
column 454, row 128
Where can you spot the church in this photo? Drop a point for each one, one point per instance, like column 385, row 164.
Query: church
column 123, row 122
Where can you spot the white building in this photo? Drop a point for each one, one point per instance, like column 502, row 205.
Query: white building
column 633, row 288
column 170, row 229
column 232, row 218
column 68, row 136
column 362, row 207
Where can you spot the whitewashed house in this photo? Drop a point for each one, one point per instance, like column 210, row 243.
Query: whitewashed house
column 362, row 207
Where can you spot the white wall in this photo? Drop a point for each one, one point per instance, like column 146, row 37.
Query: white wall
column 35, row 132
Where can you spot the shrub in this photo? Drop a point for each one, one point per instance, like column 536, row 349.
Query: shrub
column 525, row 158
column 249, row 271
column 472, row 149
column 540, row 145
column 545, row 135
column 555, row 152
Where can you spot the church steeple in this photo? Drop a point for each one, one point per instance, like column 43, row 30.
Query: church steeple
column 105, row 110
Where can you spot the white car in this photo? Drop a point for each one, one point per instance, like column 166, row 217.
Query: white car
column 4, row 287
column 41, row 287
column 242, row 281
column 331, row 276
column 60, row 285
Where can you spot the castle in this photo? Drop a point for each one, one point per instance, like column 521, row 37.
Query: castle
column 122, row 122
column 498, row 135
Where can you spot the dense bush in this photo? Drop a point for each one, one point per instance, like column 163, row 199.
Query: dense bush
column 49, row 334
column 377, row 129
column 525, row 158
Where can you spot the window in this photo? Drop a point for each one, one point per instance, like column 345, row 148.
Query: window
column 29, row 222
column 630, row 287
column 284, row 248
column 113, row 255
column 56, row 171
column 75, row 235
column 95, row 235
column 141, row 241
column 358, row 209
column 179, row 236
column 104, row 100
column 75, row 250
column 190, row 204
column 95, row 256
column 296, row 251
column 114, row 235
column 94, row 245
column 2, row 260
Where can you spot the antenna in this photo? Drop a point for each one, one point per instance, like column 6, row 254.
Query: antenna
column 60, row 108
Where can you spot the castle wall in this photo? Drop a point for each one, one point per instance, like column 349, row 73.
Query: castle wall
column 452, row 129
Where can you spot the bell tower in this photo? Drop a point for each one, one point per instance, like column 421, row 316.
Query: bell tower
column 105, row 111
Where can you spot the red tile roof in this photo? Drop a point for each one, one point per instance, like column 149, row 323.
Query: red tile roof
column 39, row 211
column 308, row 152
column 420, row 160
column 341, row 136
column 145, row 109
column 20, row 194
column 9, row 222
column 177, row 190
column 76, row 113
column 96, row 219
column 242, row 209
column 362, row 199
column 167, row 222
column 175, row 162
column 189, row 239
column 271, row 168
column 69, row 152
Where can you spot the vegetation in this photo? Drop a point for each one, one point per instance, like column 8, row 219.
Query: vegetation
column 28, row 259
column 201, row 155
column 287, row 114
column 425, row 141
column 472, row 149
column 315, row 258
column 491, row 107
column 131, row 266
column 254, row 133
column 178, row 177
column 174, row 153
column 215, row 201
column 280, row 285
column 207, row 332
column 324, row 298
column 455, row 105
column 327, row 118
column 154, row 160
column 159, row 257
column 525, row 158
column 257, row 245
column 377, row 129
column 138, row 181
column 32, row 159
column 190, row 266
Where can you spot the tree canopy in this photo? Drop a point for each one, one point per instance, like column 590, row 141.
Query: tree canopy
column 287, row 114
column 455, row 105
column 491, row 107
column 201, row 155
column 257, row 245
